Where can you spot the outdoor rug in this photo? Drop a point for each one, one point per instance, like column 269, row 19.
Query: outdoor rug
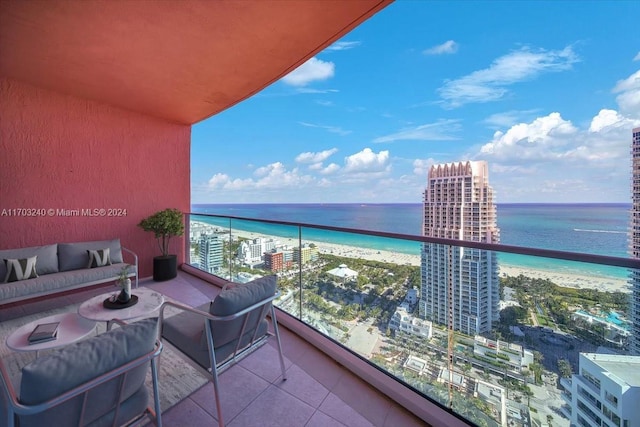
column 177, row 378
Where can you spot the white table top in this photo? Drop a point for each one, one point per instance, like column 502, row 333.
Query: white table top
column 148, row 302
column 72, row 328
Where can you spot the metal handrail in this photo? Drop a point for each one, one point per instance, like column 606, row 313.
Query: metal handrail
column 495, row 247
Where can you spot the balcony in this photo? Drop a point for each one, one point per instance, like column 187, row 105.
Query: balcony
column 348, row 318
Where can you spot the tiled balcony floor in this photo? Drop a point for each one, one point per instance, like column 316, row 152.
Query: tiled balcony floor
column 318, row 392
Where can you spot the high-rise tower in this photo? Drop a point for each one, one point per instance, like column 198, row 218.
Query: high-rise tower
column 458, row 204
column 634, row 244
column 211, row 256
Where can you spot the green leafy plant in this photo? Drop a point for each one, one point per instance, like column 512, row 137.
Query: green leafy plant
column 123, row 275
column 164, row 225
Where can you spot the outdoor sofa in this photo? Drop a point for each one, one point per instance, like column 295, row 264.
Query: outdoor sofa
column 61, row 267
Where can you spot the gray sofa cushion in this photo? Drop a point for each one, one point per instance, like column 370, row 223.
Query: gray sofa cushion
column 73, row 365
column 47, row 258
column 50, row 283
column 74, row 256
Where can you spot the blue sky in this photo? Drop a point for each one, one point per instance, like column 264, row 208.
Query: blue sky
column 546, row 92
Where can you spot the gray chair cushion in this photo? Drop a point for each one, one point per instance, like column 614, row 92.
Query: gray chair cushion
column 74, row 256
column 73, row 365
column 240, row 296
column 233, row 300
column 186, row 330
column 46, row 263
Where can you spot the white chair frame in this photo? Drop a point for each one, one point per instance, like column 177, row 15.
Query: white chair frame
column 14, row 407
column 238, row 353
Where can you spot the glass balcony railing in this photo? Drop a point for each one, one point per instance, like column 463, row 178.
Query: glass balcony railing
column 484, row 331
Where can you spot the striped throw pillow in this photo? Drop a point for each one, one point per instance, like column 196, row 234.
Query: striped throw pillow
column 20, row 269
column 99, row 258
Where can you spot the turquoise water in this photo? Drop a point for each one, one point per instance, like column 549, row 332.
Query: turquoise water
column 612, row 317
column 588, row 228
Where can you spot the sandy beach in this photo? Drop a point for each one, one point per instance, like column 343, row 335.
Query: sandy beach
column 605, row 284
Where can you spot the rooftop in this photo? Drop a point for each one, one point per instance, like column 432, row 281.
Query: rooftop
column 620, row 368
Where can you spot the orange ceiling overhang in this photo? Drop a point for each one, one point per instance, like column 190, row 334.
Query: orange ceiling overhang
column 180, row 60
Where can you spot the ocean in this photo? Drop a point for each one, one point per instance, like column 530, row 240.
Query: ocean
column 599, row 229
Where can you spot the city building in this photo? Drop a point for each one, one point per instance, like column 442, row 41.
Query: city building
column 604, row 392
column 305, row 254
column 458, row 204
column 634, row 244
column 344, row 273
column 514, row 356
column 274, row 260
column 210, row 252
column 251, row 252
column 402, row 321
column 412, row 297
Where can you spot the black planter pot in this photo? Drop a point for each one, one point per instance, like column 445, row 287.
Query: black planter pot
column 165, row 267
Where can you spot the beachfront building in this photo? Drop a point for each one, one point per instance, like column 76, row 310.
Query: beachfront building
column 197, row 229
column 251, row 252
column 514, row 356
column 458, row 204
column 274, row 260
column 605, row 392
column 210, row 251
column 305, row 254
column 634, row 244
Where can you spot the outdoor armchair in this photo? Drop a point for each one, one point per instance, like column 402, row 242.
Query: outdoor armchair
column 216, row 335
column 99, row 382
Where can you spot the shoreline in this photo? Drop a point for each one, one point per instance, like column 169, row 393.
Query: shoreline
column 576, row 281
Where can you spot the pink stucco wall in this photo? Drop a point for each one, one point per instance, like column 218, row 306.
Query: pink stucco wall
column 62, row 154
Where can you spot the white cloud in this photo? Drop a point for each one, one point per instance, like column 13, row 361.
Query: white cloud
column 366, row 161
column 507, row 118
column 272, row 176
column 330, row 169
column 315, row 91
column 490, row 84
column 332, row 129
column 604, row 119
column 549, row 159
column 442, row 130
column 536, row 140
column 221, row 180
column 276, row 175
column 319, row 157
column 324, row 103
column 342, row 46
column 447, row 47
column 421, row 166
column 629, row 98
column 312, row 70
column 637, row 57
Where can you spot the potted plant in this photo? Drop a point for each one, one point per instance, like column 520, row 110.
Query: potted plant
column 124, row 283
column 164, row 224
